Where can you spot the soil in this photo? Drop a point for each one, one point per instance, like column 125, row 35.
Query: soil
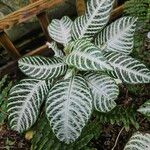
column 11, row 140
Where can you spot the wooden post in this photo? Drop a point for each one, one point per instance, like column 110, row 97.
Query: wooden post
column 44, row 22
column 116, row 13
column 8, row 45
column 27, row 12
column 12, row 66
column 81, row 7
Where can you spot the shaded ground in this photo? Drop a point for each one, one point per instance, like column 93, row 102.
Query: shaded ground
column 11, row 140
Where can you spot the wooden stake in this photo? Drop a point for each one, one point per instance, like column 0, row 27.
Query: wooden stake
column 28, row 12
column 8, row 45
column 44, row 22
column 12, row 66
column 81, row 7
column 116, row 12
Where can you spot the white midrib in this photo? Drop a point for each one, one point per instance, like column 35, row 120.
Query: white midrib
column 67, row 105
column 98, row 89
column 98, row 61
column 84, row 29
column 63, row 30
column 21, row 112
column 129, row 70
column 42, row 66
column 117, row 36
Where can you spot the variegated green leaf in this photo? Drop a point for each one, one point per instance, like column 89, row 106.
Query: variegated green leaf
column 128, row 69
column 60, row 30
column 94, row 19
column 145, row 109
column 68, row 108
column 24, row 102
column 86, row 56
column 42, row 68
column 139, row 141
column 117, row 36
column 104, row 91
column 70, row 72
column 57, row 51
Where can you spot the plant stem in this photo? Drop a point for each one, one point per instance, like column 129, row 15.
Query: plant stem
column 117, row 139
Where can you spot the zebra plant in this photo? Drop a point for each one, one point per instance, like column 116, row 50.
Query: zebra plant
column 81, row 78
column 138, row 141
